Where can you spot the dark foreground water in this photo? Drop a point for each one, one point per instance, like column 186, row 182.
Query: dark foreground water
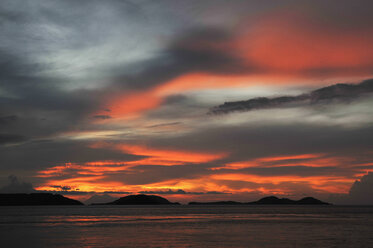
column 186, row 226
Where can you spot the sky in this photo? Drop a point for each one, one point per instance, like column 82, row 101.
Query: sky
column 192, row 100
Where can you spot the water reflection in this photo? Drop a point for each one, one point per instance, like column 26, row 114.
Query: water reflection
column 186, row 226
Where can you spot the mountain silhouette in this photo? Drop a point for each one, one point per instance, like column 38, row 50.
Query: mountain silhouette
column 269, row 200
column 273, row 200
column 140, row 199
column 35, row 199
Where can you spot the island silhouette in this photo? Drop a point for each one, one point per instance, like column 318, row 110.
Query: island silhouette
column 36, row 199
column 140, row 199
column 269, row 200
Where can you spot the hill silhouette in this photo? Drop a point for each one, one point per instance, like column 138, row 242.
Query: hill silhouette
column 140, row 199
column 36, row 199
column 270, row 200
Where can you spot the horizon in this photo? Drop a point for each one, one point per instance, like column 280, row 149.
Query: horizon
column 188, row 100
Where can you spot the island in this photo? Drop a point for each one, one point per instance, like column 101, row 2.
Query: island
column 140, row 199
column 36, row 199
column 270, row 200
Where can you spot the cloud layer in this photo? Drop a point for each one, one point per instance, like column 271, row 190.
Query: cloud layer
column 325, row 95
column 112, row 96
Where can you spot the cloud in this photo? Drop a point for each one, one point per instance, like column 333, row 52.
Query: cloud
column 11, row 138
column 6, row 120
column 63, row 188
column 102, row 117
column 16, row 186
column 56, row 91
column 180, row 192
column 361, row 191
column 325, row 95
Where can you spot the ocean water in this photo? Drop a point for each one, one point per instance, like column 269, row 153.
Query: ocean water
column 186, row 226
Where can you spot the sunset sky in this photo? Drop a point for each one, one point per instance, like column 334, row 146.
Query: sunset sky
column 122, row 96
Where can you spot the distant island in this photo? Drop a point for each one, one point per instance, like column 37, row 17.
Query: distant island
column 36, row 199
column 140, row 199
column 39, row 199
column 270, row 200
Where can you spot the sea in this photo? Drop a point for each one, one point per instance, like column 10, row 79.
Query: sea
column 186, row 226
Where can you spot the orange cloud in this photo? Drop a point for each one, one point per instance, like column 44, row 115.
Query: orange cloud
column 135, row 103
column 292, row 157
column 331, row 184
column 311, row 160
column 89, row 168
column 277, row 47
column 84, row 184
column 168, row 157
column 95, row 175
column 296, row 43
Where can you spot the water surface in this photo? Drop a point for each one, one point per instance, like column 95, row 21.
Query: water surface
column 186, row 226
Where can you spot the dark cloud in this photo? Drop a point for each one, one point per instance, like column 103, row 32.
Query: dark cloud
column 11, row 138
column 15, row 186
column 200, row 49
column 245, row 142
column 337, row 92
column 6, row 120
column 361, row 191
column 61, row 60
column 63, row 188
column 40, row 155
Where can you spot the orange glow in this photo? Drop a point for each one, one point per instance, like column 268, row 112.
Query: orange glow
column 311, row 160
column 332, row 184
column 133, row 103
column 88, row 168
column 95, row 175
column 291, row 43
column 86, row 184
column 294, row 157
column 281, row 47
column 169, row 156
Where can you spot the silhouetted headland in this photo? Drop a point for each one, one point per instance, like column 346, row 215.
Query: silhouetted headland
column 270, row 200
column 140, row 200
column 36, row 199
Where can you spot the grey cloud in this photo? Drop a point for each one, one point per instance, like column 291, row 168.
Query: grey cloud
column 103, row 117
column 11, row 138
column 48, row 44
column 361, row 191
column 6, row 120
column 338, row 92
column 165, row 124
column 15, row 186
column 63, row 188
column 196, row 50
column 246, row 142
column 45, row 154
